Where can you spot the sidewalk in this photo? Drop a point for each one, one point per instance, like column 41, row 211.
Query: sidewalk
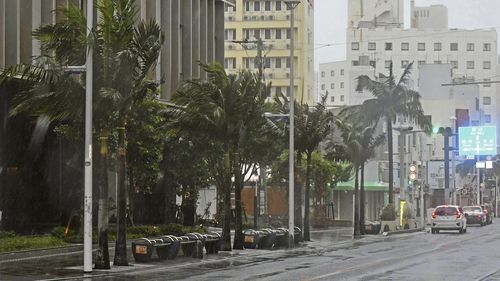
column 67, row 262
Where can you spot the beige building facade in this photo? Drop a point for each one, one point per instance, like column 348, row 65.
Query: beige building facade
column 269, row 21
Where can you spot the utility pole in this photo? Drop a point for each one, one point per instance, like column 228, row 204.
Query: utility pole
column 259, row 58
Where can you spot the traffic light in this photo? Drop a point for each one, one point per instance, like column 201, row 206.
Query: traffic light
column 413, row 173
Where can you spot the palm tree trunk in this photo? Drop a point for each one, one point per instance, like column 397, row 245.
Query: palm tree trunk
column 238, row 227
column 391, row 161
column 102, row 256
column 307, row 234
column 121, row 233
column 169, row 205
column 226, row 198
column 362, row 201
column 356, row 204
column 298, row 193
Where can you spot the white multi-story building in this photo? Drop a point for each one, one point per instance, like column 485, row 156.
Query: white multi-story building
column 373, row 43
column 440, row 55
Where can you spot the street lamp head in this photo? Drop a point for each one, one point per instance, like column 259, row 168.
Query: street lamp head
column 292, row 4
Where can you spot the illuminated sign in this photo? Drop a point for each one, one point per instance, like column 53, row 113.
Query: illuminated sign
column 481, row 140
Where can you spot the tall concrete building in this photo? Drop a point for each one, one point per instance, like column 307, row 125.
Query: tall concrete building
column 269, row 20
column 194, row 31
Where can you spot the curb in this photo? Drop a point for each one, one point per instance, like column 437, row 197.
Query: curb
column 389, row 233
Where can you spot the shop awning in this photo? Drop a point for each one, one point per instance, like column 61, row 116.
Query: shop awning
column 369, row 186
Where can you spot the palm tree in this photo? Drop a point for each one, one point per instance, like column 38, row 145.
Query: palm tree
column 221, row 109
column 313, row 126
column 392, row 99
column 353, row 148
column 124, row 53
column 368, row 144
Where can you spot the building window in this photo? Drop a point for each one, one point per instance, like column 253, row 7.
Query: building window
column 372, row 46
column 342, row 85
column 453, row 46
column 342, row 98
column 355, row 62
column 288, row 34
column 277, row 63
column 388, row 46
column 247, row 6
column 267, row 5
column 470, row 64
column 278, row 5
column 355, row 46
column 373, row 63
column 487, row 64
column 421, row 62
column 486, row 100
column 487, row 47
column 404, row 63
column 332, row 86
column 278, row 90
column 332, row 98
column 487, row 118
column 454, row 64
column 437, row 62
column 267, row 62
column 387, row 63
column 405, row 46
column 487, row 85
column 332, row 73
column 267, row 33
column 437, row 46
column 341, row 72
column 256, row 6
column 278, row 33
column 322, row 86
column 470, row 47
column 421, row 46
column 256, row 33
column 287, row 62
column 322, row 74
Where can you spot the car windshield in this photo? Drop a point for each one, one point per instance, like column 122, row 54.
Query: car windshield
column 445, row 211
column 472, row 209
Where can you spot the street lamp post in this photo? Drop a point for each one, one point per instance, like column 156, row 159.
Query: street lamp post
column 291, row 5
column 87, row 201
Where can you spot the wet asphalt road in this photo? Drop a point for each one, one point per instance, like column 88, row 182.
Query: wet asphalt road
column 331, row 256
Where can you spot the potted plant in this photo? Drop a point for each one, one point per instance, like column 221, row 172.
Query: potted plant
column 388, row 218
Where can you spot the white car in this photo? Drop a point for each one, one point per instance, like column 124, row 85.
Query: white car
column 448, row 217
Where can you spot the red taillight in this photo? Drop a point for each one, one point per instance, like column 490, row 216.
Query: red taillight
column 433, row 215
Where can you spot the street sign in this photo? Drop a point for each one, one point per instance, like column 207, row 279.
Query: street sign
column 480, row 140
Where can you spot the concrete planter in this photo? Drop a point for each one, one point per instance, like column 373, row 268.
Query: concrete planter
column 388, row 226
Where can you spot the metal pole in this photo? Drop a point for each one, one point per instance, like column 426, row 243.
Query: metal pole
column 291, row 152
column 422, row 211
column 453, row 120
column 402, row 165
column 496, row 191
column 87, row 215
column 255, row 206
column 478, row 199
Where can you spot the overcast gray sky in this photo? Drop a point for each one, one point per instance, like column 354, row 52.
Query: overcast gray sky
column 331, row 21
